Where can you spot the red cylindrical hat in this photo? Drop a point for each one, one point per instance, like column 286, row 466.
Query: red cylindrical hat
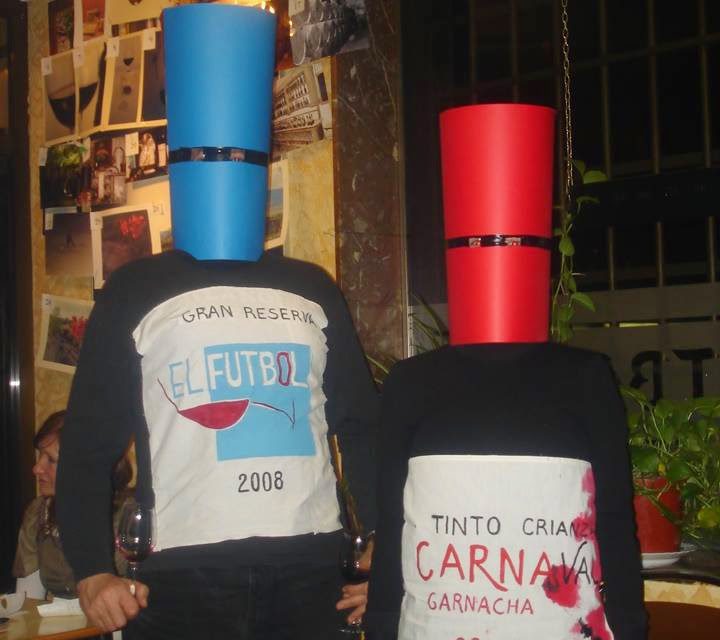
column 497, row 166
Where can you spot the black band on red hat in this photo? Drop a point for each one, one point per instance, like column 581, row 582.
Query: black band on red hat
column 500, row 240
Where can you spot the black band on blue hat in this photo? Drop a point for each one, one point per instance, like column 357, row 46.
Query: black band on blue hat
column 218, row 154
column 500, row 240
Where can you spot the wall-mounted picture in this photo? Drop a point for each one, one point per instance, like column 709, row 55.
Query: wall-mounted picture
column 104, row 174
column 276, row 218
column 153, row 101
column 62, row 329
column 119, row 236
column 125, row 91
column 59, row 96
column 61, row 177
column 68, row 245
column 130, row 16
column 150, row 159
column 61, row 25
column 91, row 82
column 302, row 112
column 93, row 19
column 327, row 27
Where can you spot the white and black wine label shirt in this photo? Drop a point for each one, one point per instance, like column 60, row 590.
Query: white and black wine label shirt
column 489, row 546
column 233, row 376
column 229, row 376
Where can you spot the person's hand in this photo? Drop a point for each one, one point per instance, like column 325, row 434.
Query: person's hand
column 354, row 596
column 109, row 601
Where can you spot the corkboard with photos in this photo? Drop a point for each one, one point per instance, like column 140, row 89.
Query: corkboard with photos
column 103, row 164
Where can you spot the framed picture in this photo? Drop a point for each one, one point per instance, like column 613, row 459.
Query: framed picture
column 124, row 234
column 93, row 19
column 61, row 25
column 133, row 16
column 91, row 85
column 276, row 218
column 68, row 245
column 59, row 97
column 302, row 112
column 63, row 323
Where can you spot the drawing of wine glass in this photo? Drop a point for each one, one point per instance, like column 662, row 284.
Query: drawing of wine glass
column 60, row 96
column 88, row 82
column 126, row 85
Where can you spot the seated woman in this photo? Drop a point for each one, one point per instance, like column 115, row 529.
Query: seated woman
column 39, row 553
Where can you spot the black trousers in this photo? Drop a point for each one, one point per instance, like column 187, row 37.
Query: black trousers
column 249, row 603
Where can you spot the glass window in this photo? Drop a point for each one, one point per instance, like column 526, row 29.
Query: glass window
column 630, row 132
column 539, row 91
column 675, row 20
column 680, row 108
column 714, row 91
column 584, row 28
column 627, row 25
column 685, row 251
column 634, row 255
column 535, row 35
column 4, row 103
column 712, row 16
column 492, row 49
column 587, row 117
column 591, row 262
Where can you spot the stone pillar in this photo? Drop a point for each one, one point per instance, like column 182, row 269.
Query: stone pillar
column 369, row 184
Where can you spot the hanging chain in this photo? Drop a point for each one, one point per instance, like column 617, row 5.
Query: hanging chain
column 567, row 104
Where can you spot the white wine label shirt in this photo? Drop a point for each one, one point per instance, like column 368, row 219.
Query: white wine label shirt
column 232, row 391
column 500, row 547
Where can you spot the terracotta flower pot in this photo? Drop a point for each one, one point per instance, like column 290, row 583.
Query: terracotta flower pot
column 655, row 532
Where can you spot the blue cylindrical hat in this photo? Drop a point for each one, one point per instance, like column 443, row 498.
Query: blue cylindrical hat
column 219, row 63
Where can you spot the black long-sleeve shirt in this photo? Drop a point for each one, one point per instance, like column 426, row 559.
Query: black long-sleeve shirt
column 514, row 426
column 229, row 376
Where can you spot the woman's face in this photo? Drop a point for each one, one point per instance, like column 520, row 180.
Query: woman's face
column 46, row 466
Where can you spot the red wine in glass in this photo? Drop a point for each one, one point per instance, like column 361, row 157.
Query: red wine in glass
column 135, row 535
column 355, row 568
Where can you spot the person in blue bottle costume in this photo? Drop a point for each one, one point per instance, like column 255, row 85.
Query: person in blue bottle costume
column 230, row 368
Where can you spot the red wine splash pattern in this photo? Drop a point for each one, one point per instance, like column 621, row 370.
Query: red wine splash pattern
column 225, row 413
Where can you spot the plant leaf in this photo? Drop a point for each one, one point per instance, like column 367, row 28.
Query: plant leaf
column 583, row 299
column 594, row 175
column 566, row 246
column 645, row 459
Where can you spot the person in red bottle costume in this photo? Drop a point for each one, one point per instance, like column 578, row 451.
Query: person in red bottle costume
column 505, row 493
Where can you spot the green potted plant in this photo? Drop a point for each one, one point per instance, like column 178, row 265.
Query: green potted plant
column 675, row 447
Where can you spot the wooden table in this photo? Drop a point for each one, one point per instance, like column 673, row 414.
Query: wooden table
column 28, row 624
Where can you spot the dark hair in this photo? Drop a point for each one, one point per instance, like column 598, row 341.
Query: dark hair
column 51, row 427
column 122, row 471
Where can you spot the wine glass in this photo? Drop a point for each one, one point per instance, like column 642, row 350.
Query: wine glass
column 355, row 568
column 135, row 536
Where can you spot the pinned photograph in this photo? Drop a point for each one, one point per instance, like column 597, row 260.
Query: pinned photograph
column 132, row 16
column 276, row 218
column 68, row 245
column 91, row 80
column 61, row 177
column 62, row 329
column 59, row 98
column 302, row 112
column 61, row 25
column 153, row 102
column 93, row 19
column 150, row 160
column 125, row 92
column 122, row 235
column 104, row 183
column 326, row 27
